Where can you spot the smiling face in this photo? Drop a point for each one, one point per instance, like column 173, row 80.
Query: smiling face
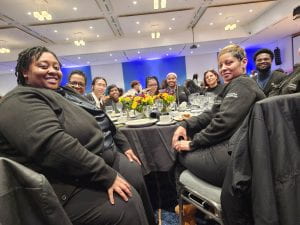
column 263, row 62
column 152, row 85
column 211, row 79
column 77, row 82
column 171, row 80
column 114, row 93
column 99, row 87
column 44, row 72
column 231, row 67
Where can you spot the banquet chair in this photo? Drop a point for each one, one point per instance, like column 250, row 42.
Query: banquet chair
column 27, row 198
column 201, row 194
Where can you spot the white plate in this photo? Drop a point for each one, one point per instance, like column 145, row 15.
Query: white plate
column 166, row 123
column 141, row 122
column 113, row 119
column 115, row 114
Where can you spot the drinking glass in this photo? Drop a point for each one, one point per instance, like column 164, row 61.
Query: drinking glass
column 119, row 107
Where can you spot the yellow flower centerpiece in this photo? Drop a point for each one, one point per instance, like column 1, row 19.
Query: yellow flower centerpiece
column 166, row 98
column 137, row 103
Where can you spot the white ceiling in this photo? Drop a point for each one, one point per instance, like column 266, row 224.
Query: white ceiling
column 110, row 27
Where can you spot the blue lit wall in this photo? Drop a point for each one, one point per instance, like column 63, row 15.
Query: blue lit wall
column 250, row 53
column 138, row 70
column 85, row 69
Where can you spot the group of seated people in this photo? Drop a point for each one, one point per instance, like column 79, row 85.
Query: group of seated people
column 60, row 133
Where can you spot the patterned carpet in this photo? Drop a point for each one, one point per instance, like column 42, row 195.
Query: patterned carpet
column 166, row 218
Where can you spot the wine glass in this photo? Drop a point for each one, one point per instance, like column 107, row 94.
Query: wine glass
column 119, row 107
column 159, row 105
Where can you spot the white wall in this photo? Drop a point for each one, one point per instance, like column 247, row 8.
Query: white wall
column 7, row 83
column 199, row 64
column 113, row 73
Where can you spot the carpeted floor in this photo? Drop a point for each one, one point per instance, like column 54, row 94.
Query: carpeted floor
column 166, row 218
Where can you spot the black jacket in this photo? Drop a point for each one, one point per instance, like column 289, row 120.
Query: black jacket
column 230, row 109
column 265, row 165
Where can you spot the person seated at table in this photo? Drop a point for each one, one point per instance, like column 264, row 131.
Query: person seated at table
column 114, row 94
column 211, row 82
column 77, row 81
column 205, row 154
column 136, row 88
column 97, row 96
column 84, row 168
column 180, row 92
column 152, row 85
column 191, row 86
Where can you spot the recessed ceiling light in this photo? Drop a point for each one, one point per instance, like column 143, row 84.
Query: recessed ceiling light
column 170, row 49
column 170, row 28
column 75, row 8
column 220, row 13
column 137, row 22
column 173, row 18
column 55, row 31
column 116, row 60
column 97, row 35
column 134, row 2
column 78, row 57
column 167, row 54
column 110, row 54
column 237, row 21
column 138, row 31
column 11, row 70
column 192, row 52
column 88, row 62
column 198, row 45
column 29, row 13
column 139, row 52
column 211, row 23
column 250, row 10
column 230, row 42
column 67, row 38
column 91, row 27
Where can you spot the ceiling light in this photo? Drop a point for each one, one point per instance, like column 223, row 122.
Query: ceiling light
column 155, row 4
column 170, row 28
column 78, row 57
column 167, row 54
column 75, row 8
column 250, row 10
column 79, row 43
column 138, row 31
column 220, row 13
column 173, row 19
column 230, row 27
column 134, row 2
column 170, row 49
column 155, row 35
column 163, row 4
column 110, row 54
column 237, row 21
column 55, row 31
column 138, row 52
column 116, row 60
column 67, row 38
column 4, row 50
column 137, row 22
column 192, row 52
column 88, row 62
column 29, row 13
column 211, row 23
column 198, row 45
column 42, row 15
column 230, row 42
column 91, row 27
column 11, row 70
column 97, row 35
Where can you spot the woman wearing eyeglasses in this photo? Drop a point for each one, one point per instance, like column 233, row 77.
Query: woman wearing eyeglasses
column 152, row 85
column 97, row 96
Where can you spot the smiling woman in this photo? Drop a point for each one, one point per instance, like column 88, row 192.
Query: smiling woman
column 81, row 166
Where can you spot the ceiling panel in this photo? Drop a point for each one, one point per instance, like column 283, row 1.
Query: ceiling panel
column 163, row 22
column 16, row 38
column 219, row 17
column 60, row 10
column 88, row 30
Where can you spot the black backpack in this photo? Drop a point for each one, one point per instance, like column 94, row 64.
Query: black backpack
column 289, row 85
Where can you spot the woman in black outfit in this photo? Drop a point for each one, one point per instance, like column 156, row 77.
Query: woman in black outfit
column 74, row 147
column 212, row 82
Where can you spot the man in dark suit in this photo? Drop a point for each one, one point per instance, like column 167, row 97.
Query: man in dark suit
column 266, row 79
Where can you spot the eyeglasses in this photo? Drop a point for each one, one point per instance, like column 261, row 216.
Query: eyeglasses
column 77, row 84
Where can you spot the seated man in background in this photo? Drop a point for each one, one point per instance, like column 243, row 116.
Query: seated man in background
column 77, row 81
column 136, row 88
column 266, row 79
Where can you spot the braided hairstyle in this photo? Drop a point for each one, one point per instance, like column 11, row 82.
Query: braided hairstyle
column 26, row 57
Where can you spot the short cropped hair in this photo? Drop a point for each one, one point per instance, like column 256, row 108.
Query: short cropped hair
column 263, row 50
column 134, row 82
column 235, row 50
column 79, row 72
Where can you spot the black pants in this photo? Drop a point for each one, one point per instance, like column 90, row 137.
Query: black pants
column 208, row 163
column 92, row 207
